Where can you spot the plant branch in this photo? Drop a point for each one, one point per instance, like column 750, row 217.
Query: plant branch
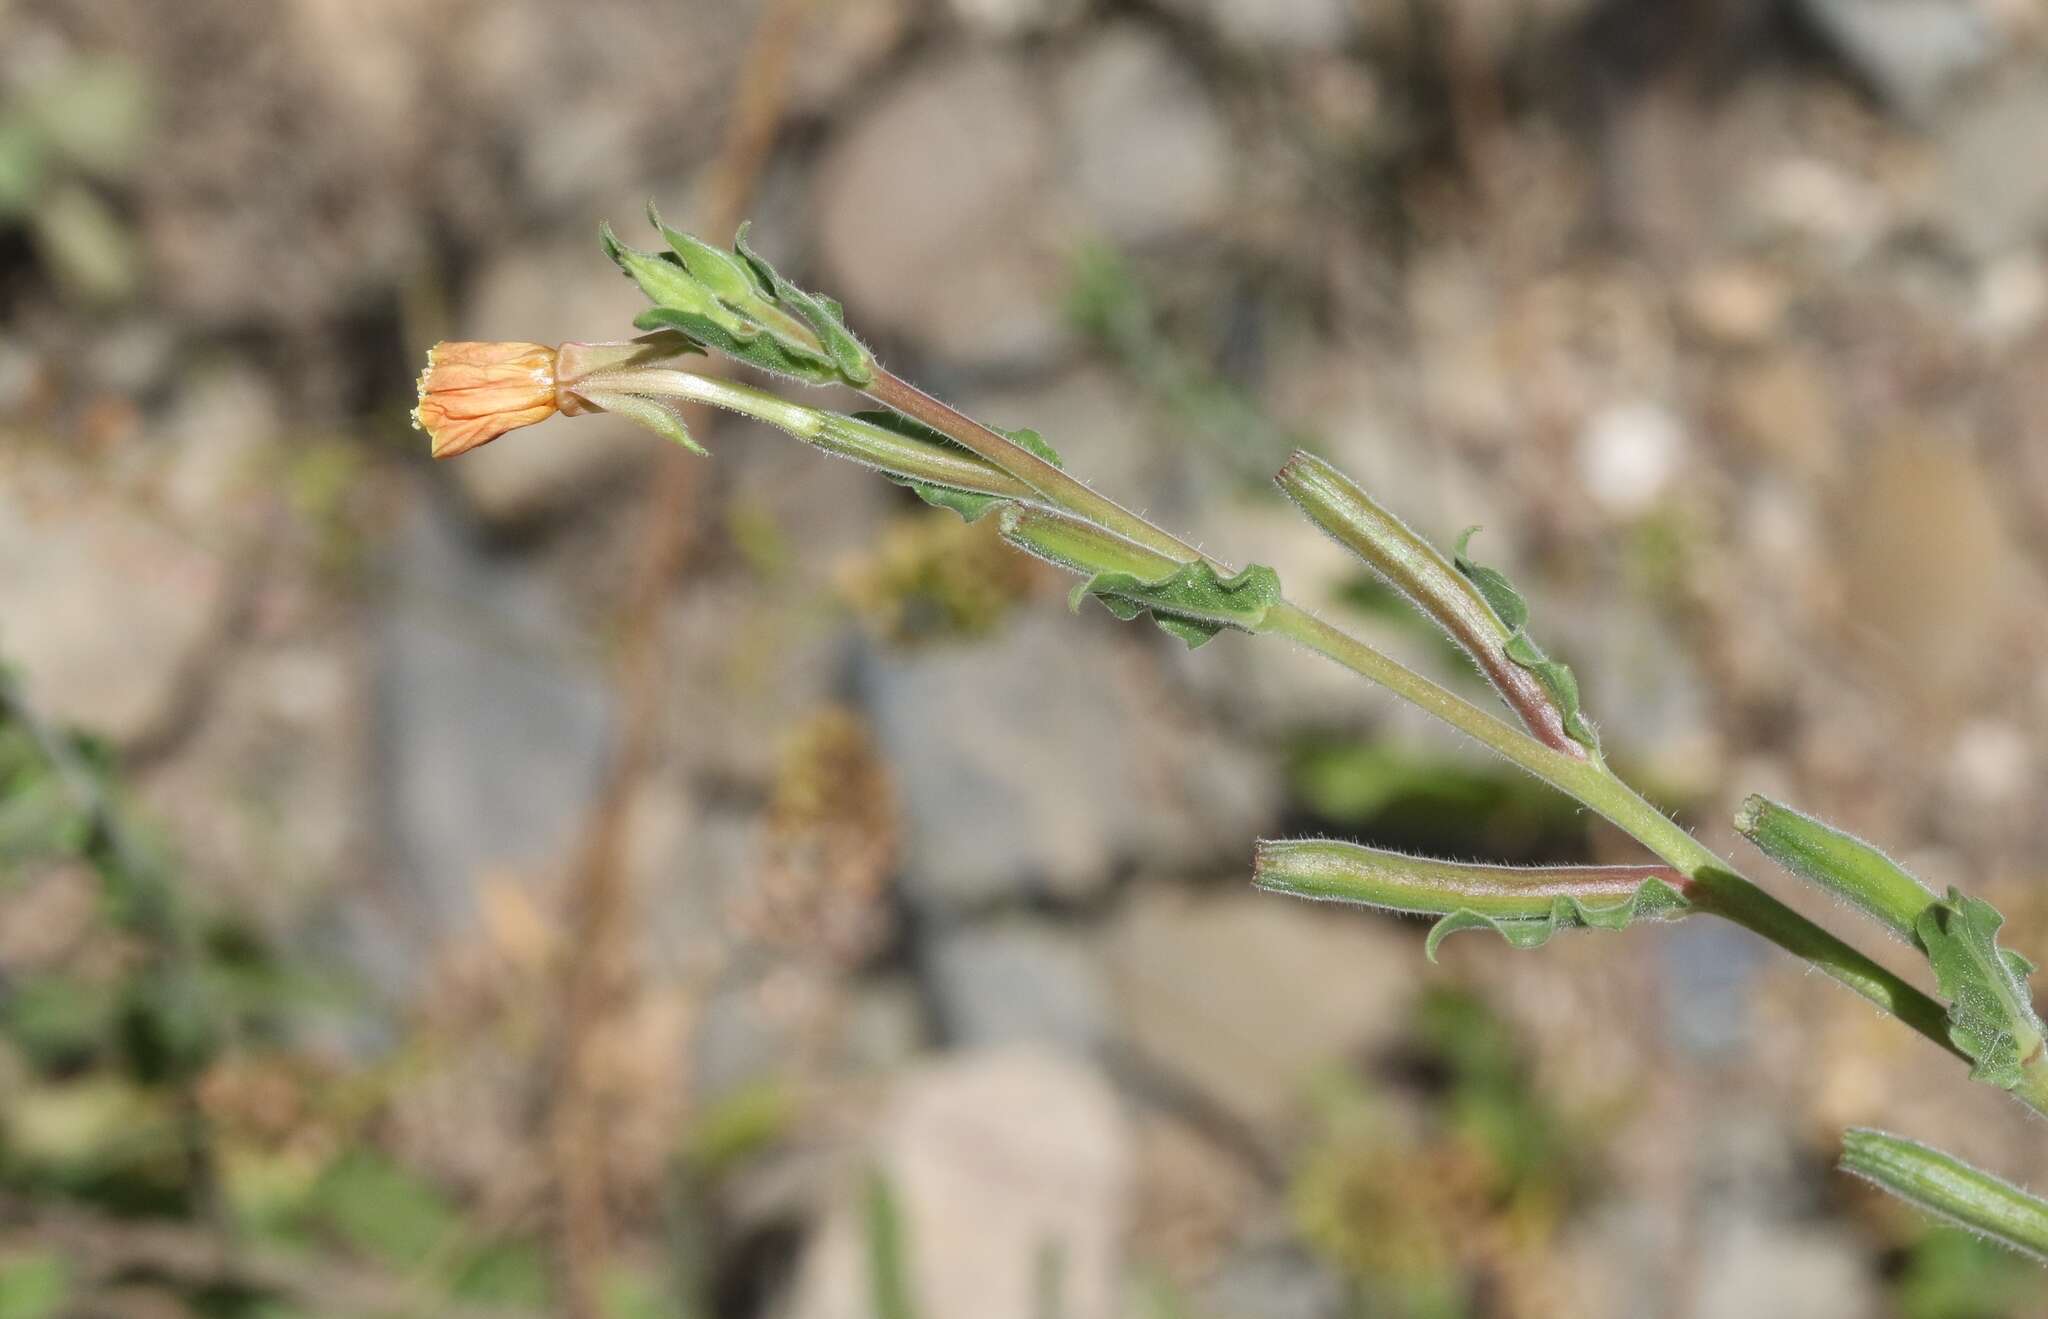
column 1057, row 487
column 1717, row 887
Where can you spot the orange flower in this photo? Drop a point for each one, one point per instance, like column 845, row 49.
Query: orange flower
column 471, row 393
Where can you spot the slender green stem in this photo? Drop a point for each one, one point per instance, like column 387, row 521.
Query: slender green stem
column 1715, row 886
column 1056, row 486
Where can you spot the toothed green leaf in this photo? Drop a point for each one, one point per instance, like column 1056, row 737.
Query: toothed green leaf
column 1991, row 1013
column 1653, row 900
column 1189, row 600
column 1556, row 677
column 1193, row 602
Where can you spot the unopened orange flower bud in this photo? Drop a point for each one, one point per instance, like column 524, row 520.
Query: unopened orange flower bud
column 471, row 393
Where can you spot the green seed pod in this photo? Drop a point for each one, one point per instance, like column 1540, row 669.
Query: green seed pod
column 1837, row 861
column 1945, row 1185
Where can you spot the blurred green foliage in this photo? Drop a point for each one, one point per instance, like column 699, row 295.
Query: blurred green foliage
column 1950, row 1273
column 1415, row 1205
column 1427, row 802
column 64, row 138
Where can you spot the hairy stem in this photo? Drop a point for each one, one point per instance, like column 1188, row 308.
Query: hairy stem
column 1054, row 485
column 1716, row 887
column 1001, row 466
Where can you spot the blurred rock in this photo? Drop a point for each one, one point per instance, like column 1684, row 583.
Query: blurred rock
column 1736, row 302
column 491, row 731
column 1277, row 1281
column 1928, row 563
column 884, row 1027
column 1644, row 688
column 550, row 293
column 1751, row 1266
column 1784, row 413
column 268, row 797
column 1019, row 981
column 1244, row 995
column 1629, row 453
column 1087, row 414
column 1148, row 155
column 1910, row 51
column 1989, row 206
column 218, row 432
column 998, row 1161
column 936, row 225
column 1014, row 18
column 746, row 667
column 1042, row 761
column 2011, row 297
column 103, row 607
column 1281, row 25
column 843, row 45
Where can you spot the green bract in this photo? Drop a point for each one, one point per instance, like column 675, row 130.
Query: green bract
column 1990, row 1013
column 739, row 304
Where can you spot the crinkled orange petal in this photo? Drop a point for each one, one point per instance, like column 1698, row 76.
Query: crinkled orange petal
column 450, row 435
column 471, row 393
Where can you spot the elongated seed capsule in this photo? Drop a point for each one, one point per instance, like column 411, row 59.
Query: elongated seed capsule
column 1945, row 1185
column 1334, row 502
column 1079, row 545
column 1838, row 861
column 1348, row 872
column 919, row 460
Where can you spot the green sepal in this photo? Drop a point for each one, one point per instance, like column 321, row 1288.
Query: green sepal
column 661, row 420
column 971, row 505
column 1991, row 1014
column 825, row 317
column 1653, row 900
column 1193, row 602
column 1556, row 676
column 728, row 278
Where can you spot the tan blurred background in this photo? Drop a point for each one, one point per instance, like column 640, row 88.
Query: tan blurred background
column 618, row 883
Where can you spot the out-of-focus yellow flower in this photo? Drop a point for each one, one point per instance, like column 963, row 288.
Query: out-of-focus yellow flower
column 471, row 393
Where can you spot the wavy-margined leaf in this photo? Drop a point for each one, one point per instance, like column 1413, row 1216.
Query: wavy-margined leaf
column 1991, row 1013
column 971, row 505
column 1191, row 601
column 1654, row 900
column 1556, row 676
